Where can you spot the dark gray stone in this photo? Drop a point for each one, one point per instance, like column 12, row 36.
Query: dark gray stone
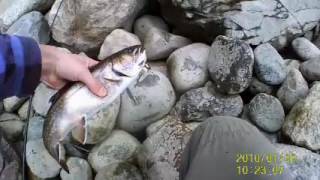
column 230, row 65
column 311, row 69
column 305, row 49
column 266, row 112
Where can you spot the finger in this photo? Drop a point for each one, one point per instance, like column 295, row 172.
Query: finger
column 92, row 62
column 94, row 86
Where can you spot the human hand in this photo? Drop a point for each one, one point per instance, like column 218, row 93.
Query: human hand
column 59, row 67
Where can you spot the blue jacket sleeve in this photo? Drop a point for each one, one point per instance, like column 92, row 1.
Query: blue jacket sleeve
column 20, row 66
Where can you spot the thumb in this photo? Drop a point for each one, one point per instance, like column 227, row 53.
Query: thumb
column 94, row 86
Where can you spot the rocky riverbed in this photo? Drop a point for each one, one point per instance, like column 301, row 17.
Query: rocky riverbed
column 258, row 60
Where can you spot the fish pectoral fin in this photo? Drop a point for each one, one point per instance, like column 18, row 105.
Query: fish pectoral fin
column 82, row 131
column 61, row 152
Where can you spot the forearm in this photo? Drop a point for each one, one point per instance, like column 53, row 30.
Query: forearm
column 20, row 66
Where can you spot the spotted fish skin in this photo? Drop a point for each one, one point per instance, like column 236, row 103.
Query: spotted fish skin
column 74, row 103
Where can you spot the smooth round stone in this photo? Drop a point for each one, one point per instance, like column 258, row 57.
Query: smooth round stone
column 12, row 104
column 302, row 123
column 201, row 103
column 161, row 152
column 41, row 99
column 269, row 65
column 266, row 112
column 310, row 69
column 118, row 147
column 11, row 125
column 230, row 65
column 35, row 128
column 188, row 67
column 119, row 171
column 160, row 44
column 40, row 161
column 293, row 89
column 23, row 111
column 147, row 22
column 147, row 100
column 305, row 49
column 305, row 164
column 100, row 125
column 292, row 64
column 117, row 40
column 79, row 169
column 257, row 87
column 31, row 25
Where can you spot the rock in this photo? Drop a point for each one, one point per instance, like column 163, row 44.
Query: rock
column 251, row 20
column 31, row 25
column 269, row 65
column 147, row 22
column 201, row 103
column 310, row 70
column 302, row 163
column 40, row 161
column 305, row 49
column 257, row 87
column 230, row 65
column 11, row 125
column 160, row 66
column 292, row 64
column 41, row 99
column 100, row 125
column 119, row 171
column 79, row 170
column 188, row 67
column 12, row 10
column 10, row 161
column 293, row 89
column 266, row 112
column 35, row 128
column 23, row 111
column 116, row 41
column 140, row 106
column 161, row 152
column 272, row 137
column 193, row 125
column 160, row 44
column 118, row 147
column 12, row 104
column 302, row 124
column 154, row 127
column 84, row 24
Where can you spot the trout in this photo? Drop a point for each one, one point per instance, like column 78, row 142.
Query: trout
column 74, row 103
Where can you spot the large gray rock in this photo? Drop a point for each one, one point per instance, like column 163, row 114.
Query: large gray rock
column 201, row 103
column 35, row 128
column 10, row 11
column 230, row 65
column 305, row 49
column 305, row 165
column 31, row 25
column 116, row 41
column 293, row 89
column 310, row 69
column 119, row 171
column 84, row 24
column 302, row 124
column 117, row 148
column 266, row 112
column 161, row 152
column 41, row 99
column 13, row 103
column 40, row 161
column 100, row 125
column 11, row 125
column 269, row 65
column 148, row 99
column 160, row 44
column 79, row 169
column 188, row 67
column 147, row 22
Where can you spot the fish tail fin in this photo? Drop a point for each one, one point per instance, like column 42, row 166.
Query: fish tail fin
column 64, row 166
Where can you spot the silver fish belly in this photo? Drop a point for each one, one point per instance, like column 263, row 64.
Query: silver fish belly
column 77, row 103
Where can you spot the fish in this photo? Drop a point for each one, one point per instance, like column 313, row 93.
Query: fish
column 74, row 103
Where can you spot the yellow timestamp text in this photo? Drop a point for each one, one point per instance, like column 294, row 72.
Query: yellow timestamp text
column 260, row 170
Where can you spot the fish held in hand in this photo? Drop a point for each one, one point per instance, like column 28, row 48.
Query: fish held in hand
column 74, row 104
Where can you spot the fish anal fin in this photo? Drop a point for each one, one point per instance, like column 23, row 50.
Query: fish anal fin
column 61, row 153
column 80, row 132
